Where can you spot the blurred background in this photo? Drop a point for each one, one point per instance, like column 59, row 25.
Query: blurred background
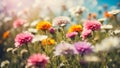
column 11, row 7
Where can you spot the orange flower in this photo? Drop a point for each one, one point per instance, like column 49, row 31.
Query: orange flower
column 92, row 16
column 43, row 25
column 5, row 34
column 75, row 28
column 48, row 41
column 106, row 14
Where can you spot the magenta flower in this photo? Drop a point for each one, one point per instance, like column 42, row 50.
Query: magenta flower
column 86, row 33
column 92, row 25
column 61, row 21
column 71, row 35
column 18, row 22
column 38, row 60
column 52, row 30
column 64, row 49
column 83, row 47
column 23, row 38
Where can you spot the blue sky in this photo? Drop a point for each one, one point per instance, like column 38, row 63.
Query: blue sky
column 110, row 3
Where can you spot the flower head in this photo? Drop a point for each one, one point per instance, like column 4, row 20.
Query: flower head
column 64, row 49
column 38, row 60
column 75, row 28
column 38, row 38
column 86, row 33
column 23, row 38
column 83, row 47
column 18, row 22
column 5, row 34
column 92, row 25
column 71, row 35
column 61, row 21
column 43, row 25
column 107, row 44
column 48, row 41
column 52, row 30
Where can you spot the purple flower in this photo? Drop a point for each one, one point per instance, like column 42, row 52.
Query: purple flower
column 52, row 30
column 23, row 38
column 83, row 47
column 64, row 49
column 71, row 35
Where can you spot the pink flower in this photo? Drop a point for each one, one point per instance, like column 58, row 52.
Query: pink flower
column 86, row 33
column 39, row 60
column 92, row 25
column 71, row 35
column 23, row 38
column 18, row 23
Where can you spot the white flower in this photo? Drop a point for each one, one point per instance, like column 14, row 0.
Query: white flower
column 39, row 38
column 6, row 19
column 92, row 58
column 114, row 12
column 76, row 11
column 26, row 24
column 4, row 63
column 33, row 30
column 9, row 49
column 117, row 31
column 102, row 19
column 107, row 44
column 106, row 27
column 34, row 23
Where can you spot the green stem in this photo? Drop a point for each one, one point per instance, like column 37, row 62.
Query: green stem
column 28, row 49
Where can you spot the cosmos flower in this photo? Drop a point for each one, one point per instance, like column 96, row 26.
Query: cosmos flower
column 85, row 33
column 71, row 35
column 75, row 28
column 83, row 47
column 48, row 41
column 60, row 21
column 18, row 23
column 64, row 48
column 43, row 25
column 92, row 25
column 23, row 38
column 38, row 60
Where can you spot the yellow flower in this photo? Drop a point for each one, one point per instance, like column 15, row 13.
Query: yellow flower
column 75, row 28
column 48, row 41
column 5, row 35
column 43, row 25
